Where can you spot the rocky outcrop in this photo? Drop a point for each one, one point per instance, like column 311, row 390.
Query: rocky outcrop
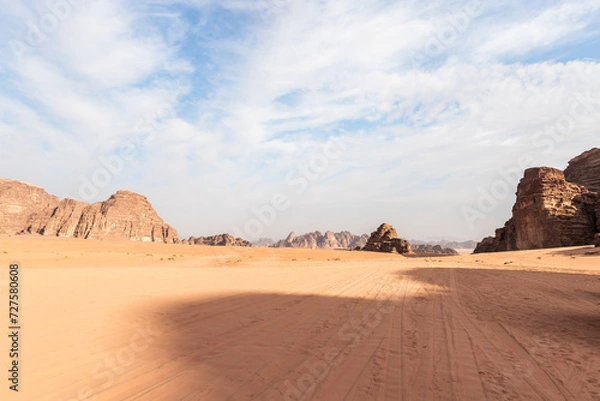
column 124, row 215
column 385, row 239
column 62, row 221
column 218, row 240
column 329, row 240
column 553, row 208
column 585, row 170
column 18, row 201
column 423, row 250
column 28, row 209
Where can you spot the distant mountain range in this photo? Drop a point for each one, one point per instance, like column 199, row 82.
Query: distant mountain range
column 447, row 244
column 29, row 209
column 316, row 240
column 347, row 240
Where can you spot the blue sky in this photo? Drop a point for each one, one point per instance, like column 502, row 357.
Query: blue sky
column 420, row 114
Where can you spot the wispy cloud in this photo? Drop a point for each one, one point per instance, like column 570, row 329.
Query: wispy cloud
column 432, row 99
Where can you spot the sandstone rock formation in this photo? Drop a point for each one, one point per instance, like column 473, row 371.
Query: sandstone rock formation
column 218, row 240
column 553, row 209
column 585, row 170
column 28, row 209
column 425, row 249
column 385, row 239
column 62, row 221
column 329, row 240
column 124, row 215
column 18, row 201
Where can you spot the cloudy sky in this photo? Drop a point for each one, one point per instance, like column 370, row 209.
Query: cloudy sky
column 263, row 117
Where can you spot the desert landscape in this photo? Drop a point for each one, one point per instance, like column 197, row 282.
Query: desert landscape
column 307, row 200
column 122, row 320
column 108, row 303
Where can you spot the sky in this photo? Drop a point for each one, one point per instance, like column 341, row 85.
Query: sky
column 258, row 118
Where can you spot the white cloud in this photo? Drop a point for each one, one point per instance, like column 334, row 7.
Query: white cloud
column 232, row 114
column 550, row 26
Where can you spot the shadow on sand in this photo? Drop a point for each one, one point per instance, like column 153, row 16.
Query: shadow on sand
column 511, row 334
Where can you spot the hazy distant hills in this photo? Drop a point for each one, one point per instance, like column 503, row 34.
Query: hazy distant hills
column 347, row 240
column 316, row 240
column 447, row 244
column 266, row 242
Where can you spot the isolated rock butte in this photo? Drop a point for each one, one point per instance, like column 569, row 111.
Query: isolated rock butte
column 329, row 240
column 25, row 208
column 550, row 210
column 385, row 239
column 218, row 240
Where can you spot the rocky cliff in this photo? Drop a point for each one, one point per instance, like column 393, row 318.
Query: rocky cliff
column 585, row 170
column 217, row 240
column 553, row 208
column 329, row 240
column 124, row 215
column 385, row 239
column 28, row 209
column 62, row 221
column 18, row 201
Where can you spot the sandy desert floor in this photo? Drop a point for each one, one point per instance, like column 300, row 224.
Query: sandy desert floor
column 127, row 321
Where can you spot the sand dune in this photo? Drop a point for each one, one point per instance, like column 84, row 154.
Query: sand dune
column 129, row 321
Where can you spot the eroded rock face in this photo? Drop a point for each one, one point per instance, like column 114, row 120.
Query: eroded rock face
column 385, row 239
column 62, row 221
column 18, row 201
column 218, row 240
column 551, row 211
column 585, row 170
column 124, row 215
column 28, row 209
column 329, row 240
